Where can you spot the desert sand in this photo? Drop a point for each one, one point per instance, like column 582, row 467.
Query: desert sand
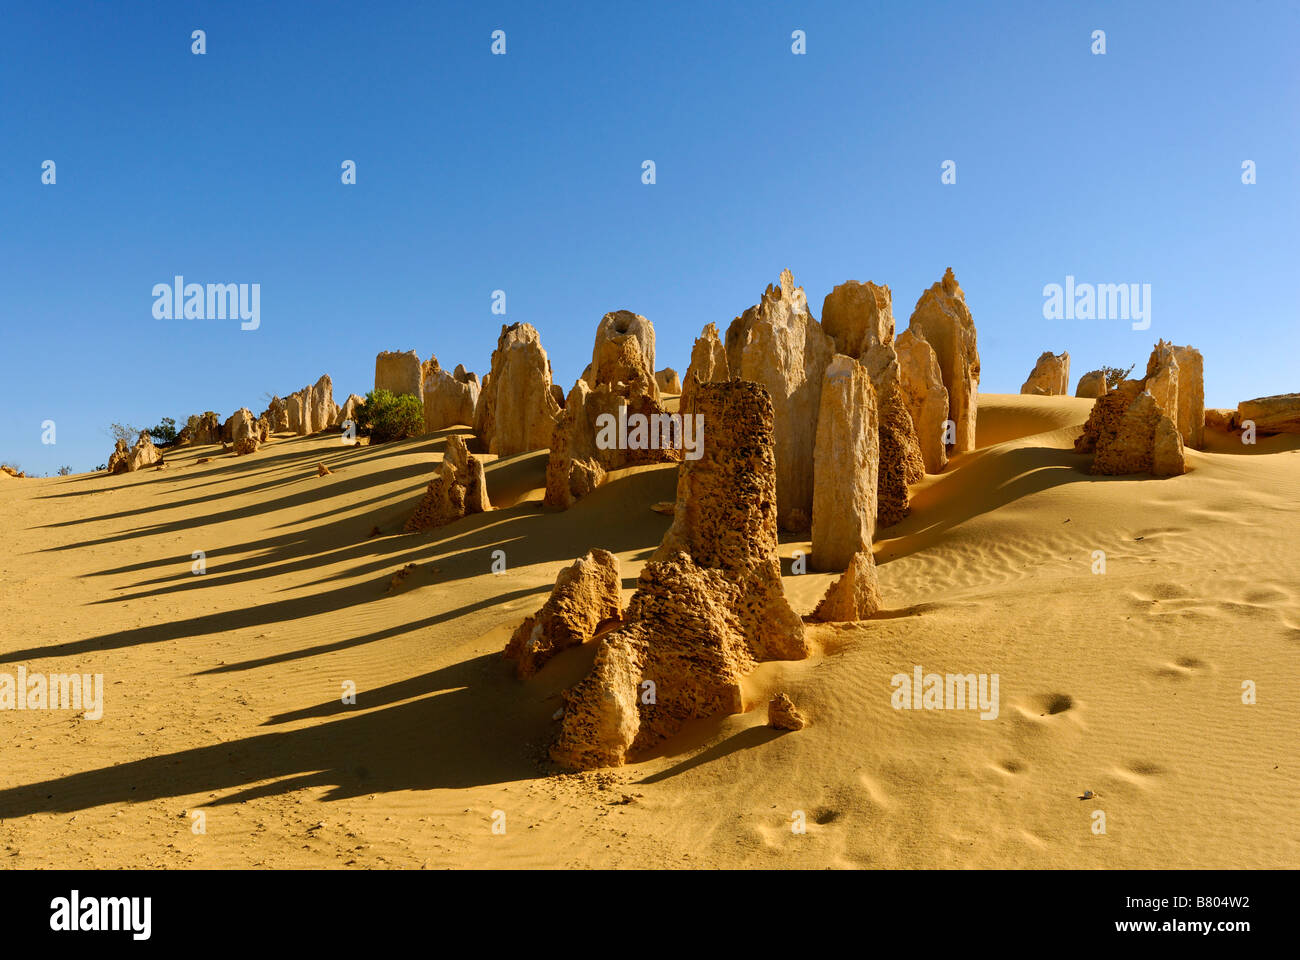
column 223, row 690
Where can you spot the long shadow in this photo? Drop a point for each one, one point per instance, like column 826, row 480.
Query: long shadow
column 526, row 534
column 445, row 739
column 746, row 739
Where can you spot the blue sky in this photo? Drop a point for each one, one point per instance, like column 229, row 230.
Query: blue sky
column 523, row 173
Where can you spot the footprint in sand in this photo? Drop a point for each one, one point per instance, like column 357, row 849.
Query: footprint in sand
column 1183, row 668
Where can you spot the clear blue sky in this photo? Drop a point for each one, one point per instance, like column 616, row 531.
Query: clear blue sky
column 523, row 172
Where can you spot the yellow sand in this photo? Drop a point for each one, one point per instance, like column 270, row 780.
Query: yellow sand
column 223, row 689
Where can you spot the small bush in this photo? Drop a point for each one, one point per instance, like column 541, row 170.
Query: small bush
column 1115, row 376
column 165, row 432
column 386, row 416
column 124, row 431
column 64, row 471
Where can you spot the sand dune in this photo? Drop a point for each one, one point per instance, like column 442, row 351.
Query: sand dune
column 223, row 689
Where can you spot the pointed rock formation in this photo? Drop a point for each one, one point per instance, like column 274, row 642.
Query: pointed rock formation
column 1092, row 385
column 1050, row 376
column 350, row 408
column 449, row 398
column 459, row 489
column 927, row 398
column 586, row 594
column 398, row 372
column 708, row 364
column 855, row 595
column 245, row 432
column 516, row 411
column 709, row 604
column 778, row 344
column 942, row 319
column 320, row 407
column 846, row 462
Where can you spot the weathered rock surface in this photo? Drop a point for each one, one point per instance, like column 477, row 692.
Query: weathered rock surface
column 927, row 398
column 708, row 364
column 708, row 605
column 615, row 326
column 516, row 410
column 449, row 398
column 858, row 316
column 619, row 358
column 901, row 462
column 205, row 429
column 577, row 464
column 1092, row 384
column 846, row 464
column 1050, row 376
column 778, row 344
column 320, row 409
column 142, row 454
column 1127, row 434
column 349, row 409
column 245, row 432
column 399, row 372
column 459, row 489
column 586, row 594
column 855, row 595
column 782, row 715
column 942, row 318
column 1276, row 414
column 668, row 381
column 1223, row 420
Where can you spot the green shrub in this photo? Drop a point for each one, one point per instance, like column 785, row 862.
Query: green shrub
column 1115, row 376
column 388, row 416
column 165, row 432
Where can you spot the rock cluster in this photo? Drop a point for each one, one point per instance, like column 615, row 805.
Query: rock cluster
column 619, row 377
column 860, row 319
column 778, row 344
column 204, row 429
column 855, row 595
column 142, row 454
column 708, row 605
column 586, row 595
column 516, row 410
column 311, row 409
column 1128, row 432
column 1050, row 376
column 246, row 432
column 449, row 398
column 1091, row 385
column 459, row 489
column 943, row 320
column 399, row 372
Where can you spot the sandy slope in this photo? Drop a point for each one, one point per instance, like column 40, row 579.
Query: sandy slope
column 223, row 690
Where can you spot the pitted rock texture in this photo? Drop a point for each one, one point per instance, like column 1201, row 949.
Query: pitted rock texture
column 926, row 397
column 399, row 372
column 708, row 605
